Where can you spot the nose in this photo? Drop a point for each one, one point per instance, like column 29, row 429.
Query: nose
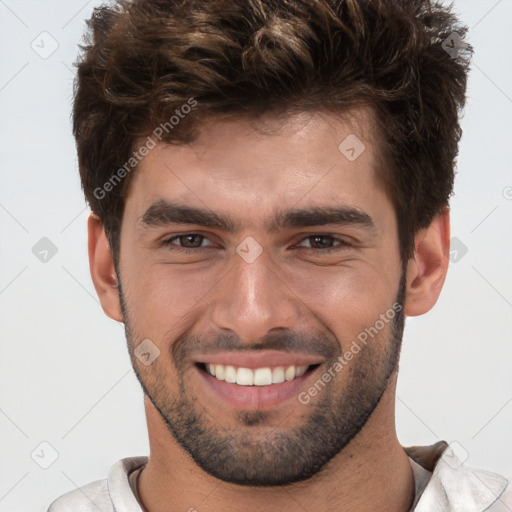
column 253, row 299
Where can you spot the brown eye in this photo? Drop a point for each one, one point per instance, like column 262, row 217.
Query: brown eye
column 325, row 242
column 186, row 241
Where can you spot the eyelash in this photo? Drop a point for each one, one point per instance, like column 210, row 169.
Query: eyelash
column 343, row 244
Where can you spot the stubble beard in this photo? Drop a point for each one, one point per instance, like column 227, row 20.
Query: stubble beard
column 272, row 457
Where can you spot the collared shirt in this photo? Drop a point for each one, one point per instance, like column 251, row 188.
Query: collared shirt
column 442, row 484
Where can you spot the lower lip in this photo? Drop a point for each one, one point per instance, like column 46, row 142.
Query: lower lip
column 255, row 397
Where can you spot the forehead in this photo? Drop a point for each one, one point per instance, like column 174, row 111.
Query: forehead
column 256, row 165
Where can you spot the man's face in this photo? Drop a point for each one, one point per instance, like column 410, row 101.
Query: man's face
column 294, row 258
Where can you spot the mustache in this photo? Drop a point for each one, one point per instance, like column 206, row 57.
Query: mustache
column 315, row 345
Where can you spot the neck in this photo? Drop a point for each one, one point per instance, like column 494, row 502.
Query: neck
column 371, row 473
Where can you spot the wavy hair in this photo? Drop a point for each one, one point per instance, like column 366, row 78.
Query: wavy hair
column 144, row 59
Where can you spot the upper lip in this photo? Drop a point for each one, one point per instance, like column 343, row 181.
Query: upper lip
column 261, row 359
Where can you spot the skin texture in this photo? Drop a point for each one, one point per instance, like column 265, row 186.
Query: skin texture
column 337, row 452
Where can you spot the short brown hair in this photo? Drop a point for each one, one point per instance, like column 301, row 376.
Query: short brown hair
column 145, row 59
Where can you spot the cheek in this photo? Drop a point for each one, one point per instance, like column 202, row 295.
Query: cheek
column 161, row 296
column 347, row 299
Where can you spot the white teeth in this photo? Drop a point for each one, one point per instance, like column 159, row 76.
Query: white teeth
column 259, row 377
column 300, row 371
column 278, row 375
column 262, row 377
column 289, row 374
column 230, row 374
column 219, row 371
column 244, row 377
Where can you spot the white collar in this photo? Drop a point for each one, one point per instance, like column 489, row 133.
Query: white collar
column 452, row 486
column 455, row 487
column 120, row 491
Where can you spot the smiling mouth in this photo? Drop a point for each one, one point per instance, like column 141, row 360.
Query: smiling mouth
column 264, row 376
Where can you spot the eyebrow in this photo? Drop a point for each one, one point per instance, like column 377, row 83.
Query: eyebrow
column 163, row 213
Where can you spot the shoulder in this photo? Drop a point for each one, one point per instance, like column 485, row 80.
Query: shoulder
column 108, row 495
column 504, row 501
column 455, row 486
column 90, row 497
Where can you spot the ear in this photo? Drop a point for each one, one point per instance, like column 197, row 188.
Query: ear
column 426, row 270
column 102, row 269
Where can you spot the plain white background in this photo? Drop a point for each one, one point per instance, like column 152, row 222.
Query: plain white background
column 65, row 375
